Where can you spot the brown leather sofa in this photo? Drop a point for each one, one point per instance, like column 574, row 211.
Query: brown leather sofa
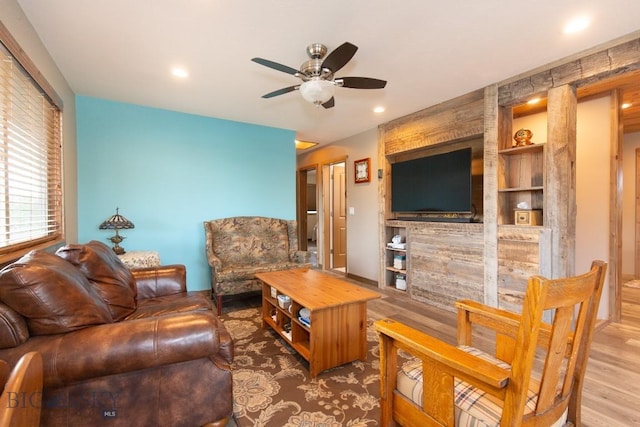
column 120, row 347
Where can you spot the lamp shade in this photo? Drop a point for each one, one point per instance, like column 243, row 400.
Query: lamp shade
column 116, row 222
column 317, row 91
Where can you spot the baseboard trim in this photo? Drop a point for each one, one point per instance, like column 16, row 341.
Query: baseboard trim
column 362, row 279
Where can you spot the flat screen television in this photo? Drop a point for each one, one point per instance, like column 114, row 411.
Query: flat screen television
column 439, row 183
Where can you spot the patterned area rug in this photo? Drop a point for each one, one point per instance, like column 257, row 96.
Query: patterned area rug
column 272, row 387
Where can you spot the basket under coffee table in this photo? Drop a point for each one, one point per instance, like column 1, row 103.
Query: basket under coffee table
column 337, row 312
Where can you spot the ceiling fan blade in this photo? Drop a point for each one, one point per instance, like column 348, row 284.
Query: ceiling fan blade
column 281, row 91
column 339, row 57
column 275, row 66
column 330, row 103
column 362, row 83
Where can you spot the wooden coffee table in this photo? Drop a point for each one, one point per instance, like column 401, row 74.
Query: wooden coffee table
column 338, row 313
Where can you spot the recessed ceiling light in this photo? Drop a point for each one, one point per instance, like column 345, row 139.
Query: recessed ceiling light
column 304, row 145
column 533, row 101
column 379, row 109
column 576, row 25
column 626, row 105
column 180, row 72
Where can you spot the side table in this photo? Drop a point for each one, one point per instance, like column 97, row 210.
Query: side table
column 140, row 259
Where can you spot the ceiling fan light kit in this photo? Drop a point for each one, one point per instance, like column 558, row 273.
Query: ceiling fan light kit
column 317, row 74
column 317, row 91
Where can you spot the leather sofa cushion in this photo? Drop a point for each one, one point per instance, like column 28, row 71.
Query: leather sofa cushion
column 159, row 281
column 53, row 295
column 13, row 328
column 188, row 302
column 110, row 277
column 128, row 346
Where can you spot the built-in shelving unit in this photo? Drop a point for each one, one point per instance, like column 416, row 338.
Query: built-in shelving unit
column 521, row 179
column 392, row 270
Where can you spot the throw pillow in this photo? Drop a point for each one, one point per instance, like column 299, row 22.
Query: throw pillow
column 110, row 277
column 51, row 294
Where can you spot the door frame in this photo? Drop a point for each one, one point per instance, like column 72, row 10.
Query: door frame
column 322, row 180
column 637, row 216
column 301, row 203
column 338, row 196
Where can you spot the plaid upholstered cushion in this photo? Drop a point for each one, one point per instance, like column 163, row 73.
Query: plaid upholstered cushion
column 474, row 408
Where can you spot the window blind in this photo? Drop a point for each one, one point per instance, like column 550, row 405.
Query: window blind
column 30, row 160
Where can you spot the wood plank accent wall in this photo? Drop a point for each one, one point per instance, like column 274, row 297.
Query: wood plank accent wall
column 615, row 209
column 507, row 254
column 522, row 252
column 583, row 71
column 446, row 262
column 493, row 122
column 458, row 119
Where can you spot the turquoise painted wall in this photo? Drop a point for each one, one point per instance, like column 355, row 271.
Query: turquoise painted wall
column 168, row 172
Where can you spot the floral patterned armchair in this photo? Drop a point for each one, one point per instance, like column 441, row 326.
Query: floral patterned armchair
column 239, row 247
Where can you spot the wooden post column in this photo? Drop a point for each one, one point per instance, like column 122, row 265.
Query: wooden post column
column 560, row 176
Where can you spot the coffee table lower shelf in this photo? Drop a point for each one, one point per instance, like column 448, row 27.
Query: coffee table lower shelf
column 338, row 316
column 301, row 346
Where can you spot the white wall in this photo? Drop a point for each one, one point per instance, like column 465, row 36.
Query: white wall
column 631, row 144
column 593, row 153
column 362, row 226
column 16, row 22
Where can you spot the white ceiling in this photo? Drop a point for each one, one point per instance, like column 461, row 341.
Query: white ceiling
column 429, row 51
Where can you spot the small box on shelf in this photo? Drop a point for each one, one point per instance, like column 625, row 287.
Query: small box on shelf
column 397, row 242
column 400, row 261
column 284, row 302
column 528, row 217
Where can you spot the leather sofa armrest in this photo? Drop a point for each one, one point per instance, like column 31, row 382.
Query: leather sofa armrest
column 159, row 281
column 128, row 346
column 13, row 328
column 226, row 343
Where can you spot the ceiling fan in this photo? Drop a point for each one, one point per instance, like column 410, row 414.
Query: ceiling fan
column 318, row 74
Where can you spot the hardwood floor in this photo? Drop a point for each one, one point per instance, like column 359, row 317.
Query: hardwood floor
column 611, row 393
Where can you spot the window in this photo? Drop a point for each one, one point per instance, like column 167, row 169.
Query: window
column 30, row 157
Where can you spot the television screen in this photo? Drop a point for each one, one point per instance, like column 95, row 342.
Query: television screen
column 438, row 183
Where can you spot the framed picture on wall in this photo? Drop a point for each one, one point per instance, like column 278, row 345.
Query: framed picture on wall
column 362, row 170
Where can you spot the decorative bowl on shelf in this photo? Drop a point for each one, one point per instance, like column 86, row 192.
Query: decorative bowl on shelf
column 523, row 137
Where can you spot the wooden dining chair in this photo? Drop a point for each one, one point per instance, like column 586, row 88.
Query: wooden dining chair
column 530, row 374
column 21, row 398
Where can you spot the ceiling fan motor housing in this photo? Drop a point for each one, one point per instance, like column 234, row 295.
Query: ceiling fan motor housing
column 316, row 50
column 313, row 68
